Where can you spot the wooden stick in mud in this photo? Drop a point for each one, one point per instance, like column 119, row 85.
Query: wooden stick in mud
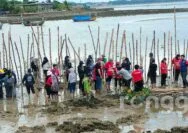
column 130, row 53
column 117, row 41
column 105, row 43
column 154, row 43
column 79, row 52
column 122, row 44
column 113, row 51
column 175, row 29
column 62, row 44
column 85, row 53
column 73, row 48
column 18, row 54
column 23, row 58
column 133, row 49
column 66, row 45
column 0, row 60
column 145, row 57
column 158, row 55
column 98, row 43
column 164, row 44
column 110, row 47
column 74, row 60
column 28, row 46
column 136, row 51
column 9, row 52
column 168, row 47
column 14, row 57
column 58, row 46
column 184, row 49
column 50, row 46
column 92, row 41
column 140, row 45
column 5, row 50
column 31, row 50
column 125, row 42
column 42, row 35
column 178, row 47
column 33, row 46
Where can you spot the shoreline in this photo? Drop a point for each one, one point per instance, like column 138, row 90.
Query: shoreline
column 65, row 15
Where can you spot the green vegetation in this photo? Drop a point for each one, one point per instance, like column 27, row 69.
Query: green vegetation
column 15, row 7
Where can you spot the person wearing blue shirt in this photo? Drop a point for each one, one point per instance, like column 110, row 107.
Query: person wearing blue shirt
column 183, row 70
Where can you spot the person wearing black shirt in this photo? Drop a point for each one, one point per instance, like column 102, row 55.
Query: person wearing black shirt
column 153, row 73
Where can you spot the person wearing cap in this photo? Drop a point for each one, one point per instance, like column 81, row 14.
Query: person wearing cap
column 55, row 70
column 72, row 82
column 137, row 79
column 81, row 72
column 48, row 85
column 28, row 81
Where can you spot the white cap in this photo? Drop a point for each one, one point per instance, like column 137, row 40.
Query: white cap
column 49, row 73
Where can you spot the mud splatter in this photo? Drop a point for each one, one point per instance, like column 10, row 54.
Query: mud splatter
column 36, row 129
column 129, row 119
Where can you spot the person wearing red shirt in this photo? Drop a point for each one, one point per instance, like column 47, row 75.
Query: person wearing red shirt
column 48, row 84
column 137, row 79
column 109, row 73
column 176, row 67
column 164, row 72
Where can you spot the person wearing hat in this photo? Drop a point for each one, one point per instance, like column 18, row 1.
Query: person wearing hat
column 48, row 85
column 28, row 81
column 72, row 82
column 81, row 72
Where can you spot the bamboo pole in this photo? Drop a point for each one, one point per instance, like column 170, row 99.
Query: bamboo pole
column 92, row 41
column 110, row 47
column 130, row 53
column 133, row 49
column 122, row 44
column 178, row 47
column 79, row 52
column 28, row 45
column 154, row 42
column 74, row 60
column 113, row 50
column 0, row 60
column 152, row 45
column 168, row 47
column 20, row 66
column 73, row 48
column 61, row 50
column 158, row 54
column 33, row 46
column 9, row 51
column 117, row 41
column 175, row 29
column 31, row 50
column 136, row 51
column 187, row 49
column 145, row 57
column 125, row 44
column 23, row 58
column 164, row 44
column 66, row 48
column 105, row 43
column 14, row 57
column 140, row 45
column 184, row 47
column 42, row 35
column 98, row 45
column 5, row 50
column 85, row 53
column 50, row 46
column 58, row 46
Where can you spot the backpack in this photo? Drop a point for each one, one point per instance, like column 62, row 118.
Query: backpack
column 29, row 79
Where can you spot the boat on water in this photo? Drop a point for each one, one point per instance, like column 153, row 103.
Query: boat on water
column 83, row 18
column 15, row 22
column 33, row 23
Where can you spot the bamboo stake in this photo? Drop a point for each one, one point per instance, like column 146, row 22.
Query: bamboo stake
column 22, row 55
column 158, row 54
column 9, row 50
column 31, row 50
column 154, row 42
column 105, row 43
column 50, row 47
column 20, row 66
column 113, row 51
column 74, row 60
column 184, row 47
column 136, row 51
column 28, row 45
column 175, row 29
column 66, row 45
column 111, row 40
column 44, row 52
column 117, row 41
column 73, row 48
column 58, row 41
column 125, row 44
column 5, row 50
column 122, row 43
column 152, row 45
column 133, row 49
column 168, row 47
column 85, row 53
column 145, row 57
column 98, row 45
column 164, row 44
column 14, row 57
column 130, row 53
column 92, row 41
column 0, row 60
column 178, row 47
column 33, row 46
column 140, row 44
column 79, row 52
column 62, row 44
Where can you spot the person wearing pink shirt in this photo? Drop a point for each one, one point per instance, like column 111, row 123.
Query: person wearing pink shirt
column 55, row 70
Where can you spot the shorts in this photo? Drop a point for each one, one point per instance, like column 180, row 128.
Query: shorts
column 108, row 79
column 72, row 87
column 48, row 91
column 98, row 83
